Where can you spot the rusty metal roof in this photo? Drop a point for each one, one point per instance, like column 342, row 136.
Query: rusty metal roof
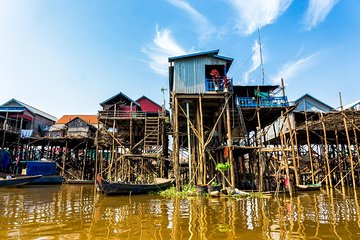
column 91, row 119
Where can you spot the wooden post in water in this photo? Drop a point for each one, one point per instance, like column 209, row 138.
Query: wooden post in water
column 202, row 144
column 326, row 150
column 292, row 148
column 339, row 160
column 97, row 153
column 64, row 158
column 349, row 143
column 229, row 144
column 189, row 140
column 4, row 134
column 284, row 154
column 176, row 143
column 84, row 160
column 356, row 145
column 259, row 151
column 309, row 149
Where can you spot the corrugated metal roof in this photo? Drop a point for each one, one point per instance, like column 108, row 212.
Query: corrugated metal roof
column 213, row 53
column 91, row 119
column 148, row 99
column 31, row 109
column 350, row 105
column 306, row 95
column 120, row 94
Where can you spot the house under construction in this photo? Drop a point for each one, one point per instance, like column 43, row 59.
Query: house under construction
column 132, row 142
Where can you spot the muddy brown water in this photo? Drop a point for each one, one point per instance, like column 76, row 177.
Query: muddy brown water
column 77, row 212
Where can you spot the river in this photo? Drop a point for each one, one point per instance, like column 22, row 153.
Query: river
column 77, row 212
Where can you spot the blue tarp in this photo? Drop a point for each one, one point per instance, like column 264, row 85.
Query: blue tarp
column 40, row 168
column 5, row 159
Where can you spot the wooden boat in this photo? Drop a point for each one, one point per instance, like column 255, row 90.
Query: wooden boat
column 309, row 187
column 78, row 181
column 17, row 181
column 121, row 188
column 45, row 180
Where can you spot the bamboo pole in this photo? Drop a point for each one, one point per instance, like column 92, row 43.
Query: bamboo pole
column 292, row 149
column 96, row 153
column 84, row 160
column 189, row 139
column 282, row 140
column 64, row 158
column 326, row 150
column 356, row 144
column 350, row 153
column 202, row 149
column 339, row 160
column 309, row 150
column 176, row 143
column 229, row 144
column 259, row 151
column 4, row 134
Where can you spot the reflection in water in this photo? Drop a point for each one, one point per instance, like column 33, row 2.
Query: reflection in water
column 76, row 212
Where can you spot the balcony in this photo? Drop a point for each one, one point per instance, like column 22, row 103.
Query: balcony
column 210, row 85
column 252, row 102
column 9, row 128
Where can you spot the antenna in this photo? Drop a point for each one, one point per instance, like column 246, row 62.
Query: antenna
column 163, row 89
column 261, row 59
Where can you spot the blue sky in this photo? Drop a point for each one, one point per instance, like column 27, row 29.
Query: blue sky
column 65, row 56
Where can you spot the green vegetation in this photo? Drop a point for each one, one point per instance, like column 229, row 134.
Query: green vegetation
column 215, row 184
column 222, row 166
column 186, row 191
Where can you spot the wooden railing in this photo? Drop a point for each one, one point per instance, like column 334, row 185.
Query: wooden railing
column 121, row 114
column 9, row 128
column 210, row 85
column 252, row 102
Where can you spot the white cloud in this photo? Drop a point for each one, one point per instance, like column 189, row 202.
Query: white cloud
column 204, row 28
column 256, row 62
column 257, row 13
column 291, row 69
column 317, row 12
column 162, row 47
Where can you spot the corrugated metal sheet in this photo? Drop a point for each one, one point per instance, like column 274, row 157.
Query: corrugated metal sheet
column 16, row 103
column 189, row 74
column 310, row 104
column 91, row 119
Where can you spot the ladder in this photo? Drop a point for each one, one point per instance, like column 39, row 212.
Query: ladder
column 152, row 134
column 241, row 119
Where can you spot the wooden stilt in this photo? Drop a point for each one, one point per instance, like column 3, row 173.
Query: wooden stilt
column 350, row 153
column 229, row 144
column 284, row 154
column 326, row 150
column 292, row 149
column 261, row 180
column 64, row 158
column 309, row 150
column 176, row 143
column 202, row 144
column 339, row 159
column 356, row 147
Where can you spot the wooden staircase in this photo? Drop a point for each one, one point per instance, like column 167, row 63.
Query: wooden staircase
column 238, row 123
column 152, row 134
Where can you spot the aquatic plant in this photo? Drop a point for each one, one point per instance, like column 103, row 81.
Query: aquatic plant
column 186, row 190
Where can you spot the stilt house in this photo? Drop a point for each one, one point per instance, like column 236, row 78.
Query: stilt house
column 133, row 138
column 212, row 119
